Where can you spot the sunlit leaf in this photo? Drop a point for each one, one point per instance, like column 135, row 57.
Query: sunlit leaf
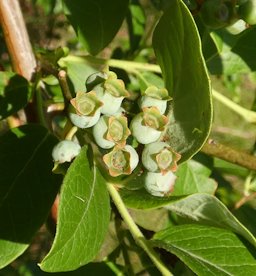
column 178, row 50
column 205, row 249
column 83, row 217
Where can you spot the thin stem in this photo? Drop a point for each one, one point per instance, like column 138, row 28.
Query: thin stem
column 71, row 133
column 244, row 200
column 248, row 115
column 135, row 231
column 231, row 155
column 113, row 267
column 62, row 76
column 130, row 66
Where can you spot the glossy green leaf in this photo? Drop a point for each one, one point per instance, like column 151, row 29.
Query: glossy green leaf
column 193, row 177
column 178, row 51
column 245, row 47
column 197, row 208
column 208, row 210
column 95, row 22
column 209, row 46
column 207, row 250
column 27, row 187
column 83, row 217
column 14, row 93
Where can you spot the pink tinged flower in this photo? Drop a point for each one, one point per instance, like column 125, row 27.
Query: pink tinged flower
column 86, row 103
column 160, row 157
column 121, row 160
column 147, row 126
column 118, row 130
column 111, row 131
column 153, row 118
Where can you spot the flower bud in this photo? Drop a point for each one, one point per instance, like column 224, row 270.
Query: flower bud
column 158, row 184
column 121, row 160
column 111, row 92
column 85, row 110
column 65, row 151
column 159, row 157
column 110, row 131
column 154, row 96
column 147, row 126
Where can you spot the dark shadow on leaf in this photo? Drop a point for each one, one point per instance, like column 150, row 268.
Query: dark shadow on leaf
column 14, row 96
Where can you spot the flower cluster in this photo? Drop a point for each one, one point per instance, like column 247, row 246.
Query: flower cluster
column 100, row 108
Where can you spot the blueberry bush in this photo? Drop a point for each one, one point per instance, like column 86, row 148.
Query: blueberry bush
column 127, row 137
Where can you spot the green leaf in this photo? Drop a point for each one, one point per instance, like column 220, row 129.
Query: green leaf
column 78, row 69
column 227, row 61
column 27, row 187
column 193, row 177
column 136, row 24
column 197, row 208
column 209, row 46
column 141, row 199
column 178, row 50
column 245, row 47
column 83, row 217
column 14, row 93
column 95, row 22
column 207, row 250
column 153, row 220
column 208, row 210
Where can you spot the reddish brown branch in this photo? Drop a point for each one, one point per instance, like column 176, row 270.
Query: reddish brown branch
column 229, row 154
column 16, row 37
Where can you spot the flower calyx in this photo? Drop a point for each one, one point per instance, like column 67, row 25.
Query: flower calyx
column 86, row 103
column 118, row 130
column 157, row 93
column 153, row 118
column 160, row 157
column 167, row 160
column 121, row 160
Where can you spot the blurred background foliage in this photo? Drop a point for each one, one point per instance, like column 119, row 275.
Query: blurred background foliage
column 231, row 60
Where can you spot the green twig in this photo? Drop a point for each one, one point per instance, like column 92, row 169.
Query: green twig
column 130, row 66
column 248, row 115
column 113, row 267
column 71, row 133
column 62, row 76
column 135, row 231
